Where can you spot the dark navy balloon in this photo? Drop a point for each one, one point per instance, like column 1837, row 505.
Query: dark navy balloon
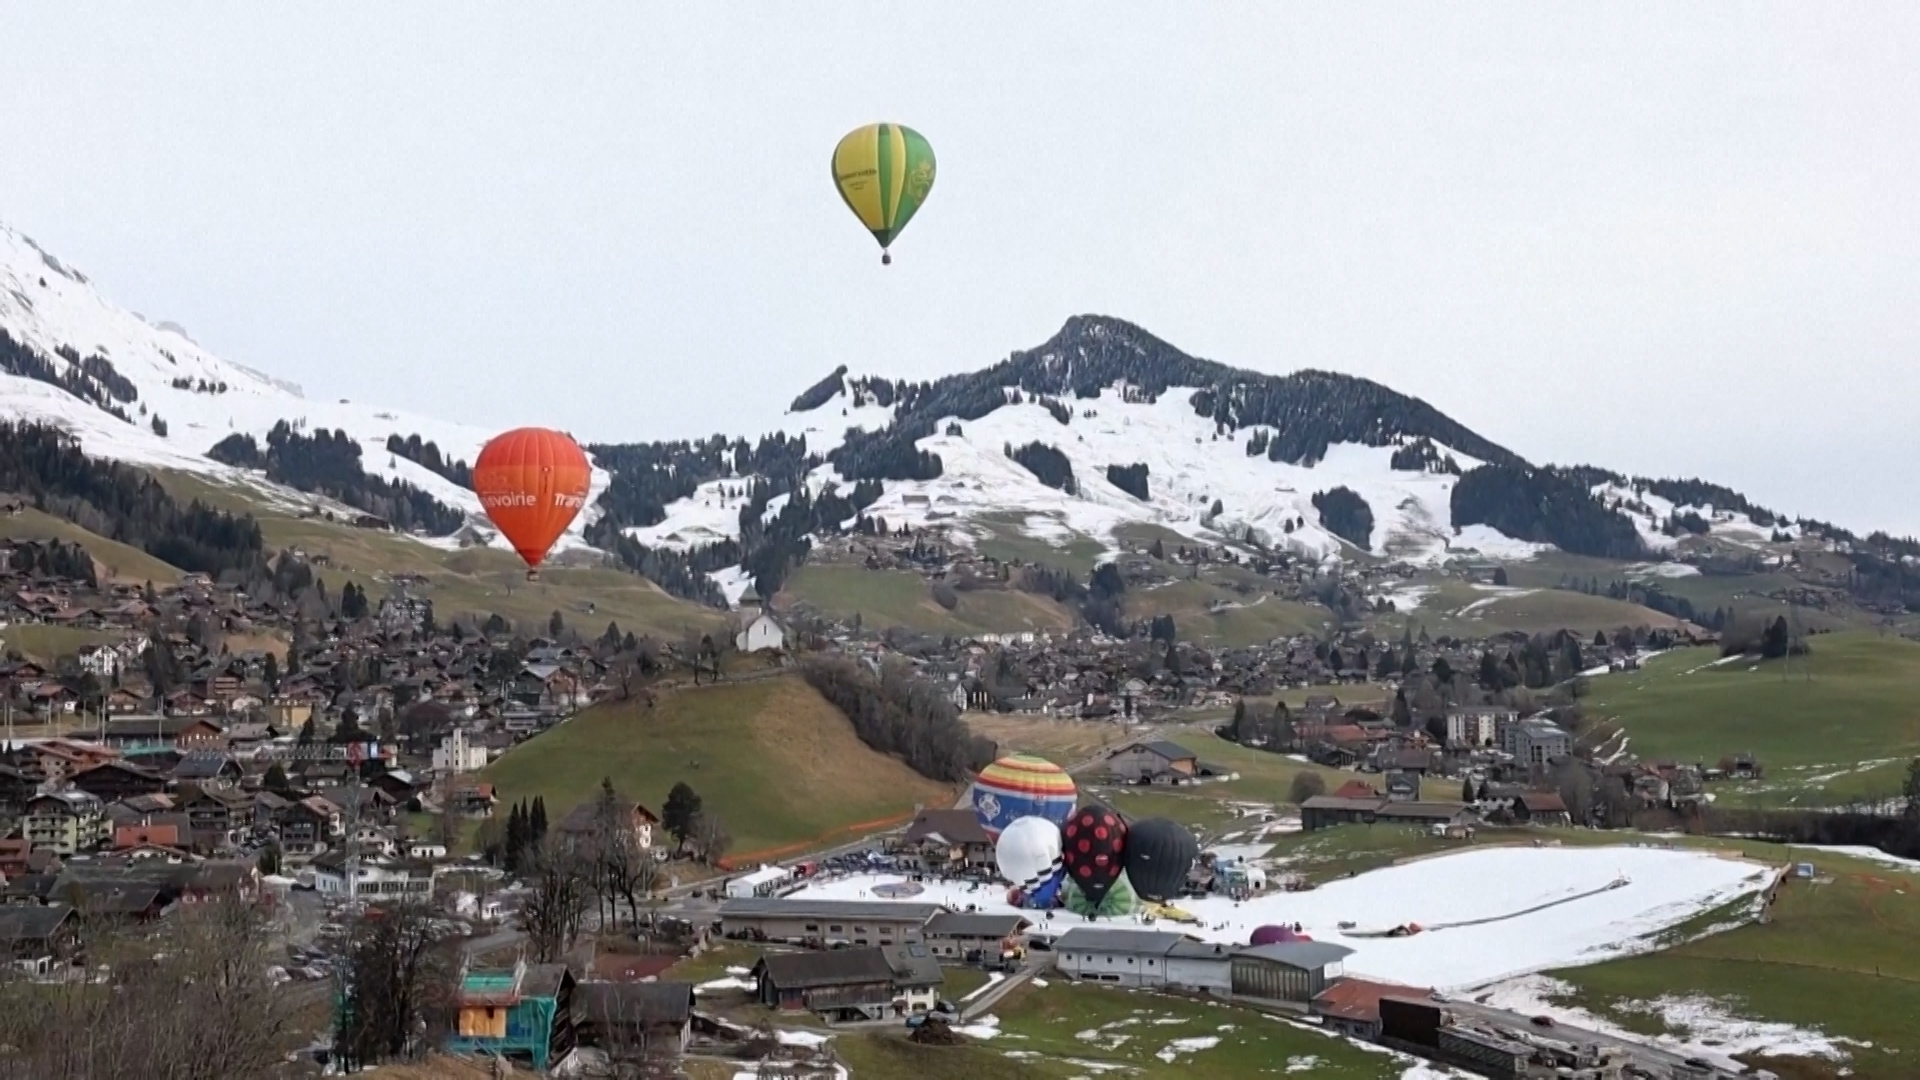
column 1159, row 854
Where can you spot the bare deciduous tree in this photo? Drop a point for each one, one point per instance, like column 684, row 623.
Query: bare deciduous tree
column 397, row 981
column 199, row 1003
column 559, row 885
column 711, row 838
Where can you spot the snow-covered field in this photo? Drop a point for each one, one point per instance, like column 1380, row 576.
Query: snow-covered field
column 1665, row 887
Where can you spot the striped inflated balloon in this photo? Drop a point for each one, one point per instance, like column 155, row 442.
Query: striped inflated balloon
column 1021, row 785
column 884, row 172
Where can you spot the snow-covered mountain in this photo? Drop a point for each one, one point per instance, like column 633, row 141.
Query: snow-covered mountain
column 58, row 313
column 1228, row 455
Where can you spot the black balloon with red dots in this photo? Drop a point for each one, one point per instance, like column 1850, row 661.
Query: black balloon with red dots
column 1094, row 849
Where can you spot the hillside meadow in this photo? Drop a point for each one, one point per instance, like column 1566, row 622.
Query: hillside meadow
column 777, row 763
column 1838, row 725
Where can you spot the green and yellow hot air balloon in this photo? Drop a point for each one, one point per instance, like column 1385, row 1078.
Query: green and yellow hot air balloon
column 884, row 172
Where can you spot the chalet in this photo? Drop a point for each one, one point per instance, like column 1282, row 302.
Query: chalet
column 476, row 799
column 219, row 817
column 1325, row 811
column 968, row 936
column 583, row 821
column 634, row 1016
column 125, row 701
column 187, row 703
column 548, row 685
column 15, row 789
column 111, row 781
column 942, row 839
column 1157, row 762
column 867, row 983
column 1438, row 815
column 51, row 699
column 304, row 827
column 1541, row 808
column 36, row 935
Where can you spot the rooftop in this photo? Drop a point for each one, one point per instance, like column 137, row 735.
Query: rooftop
column 840, row 967
column 1103, row 939
column 1298, row 954
column 778, row 907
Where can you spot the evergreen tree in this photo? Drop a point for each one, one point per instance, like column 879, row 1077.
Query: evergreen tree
column 1776, row 640
column 1489, row 671
column 682, row 807
column 307, row 733
column 538, row 819
column 517, row 837
column 1402, row 713
column 556, row 625
column 272, row 674
column 276, row 778
column 1466, row 790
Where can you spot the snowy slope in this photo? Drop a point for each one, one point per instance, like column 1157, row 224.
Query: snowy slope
column 46, row 304
column 1188, row 468
column 1649, row 513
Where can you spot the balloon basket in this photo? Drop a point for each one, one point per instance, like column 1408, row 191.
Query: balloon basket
column 886, row 259
column 533, row 575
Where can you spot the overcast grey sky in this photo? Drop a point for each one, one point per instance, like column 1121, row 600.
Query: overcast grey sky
column 1677, row 239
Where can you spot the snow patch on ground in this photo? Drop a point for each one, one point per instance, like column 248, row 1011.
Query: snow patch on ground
column 801, row 1038
column 1491, row 543
column 993, row 980
column 1664, row 887
column 1706, row 1027
column 1189, row 1046
column 1502, row 592
column 734, row 581
column 1663, row 569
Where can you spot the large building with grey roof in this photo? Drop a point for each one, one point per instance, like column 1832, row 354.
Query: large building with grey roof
column 825, row 922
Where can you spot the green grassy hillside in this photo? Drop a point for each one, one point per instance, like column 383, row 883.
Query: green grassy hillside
column 885, row 598
column 114, row 560
column 1845, row 732
column 480, row 581
column 1838, row 956
column 779, row 765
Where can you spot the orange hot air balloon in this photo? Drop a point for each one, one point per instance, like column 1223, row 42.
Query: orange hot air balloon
column 533, row 483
